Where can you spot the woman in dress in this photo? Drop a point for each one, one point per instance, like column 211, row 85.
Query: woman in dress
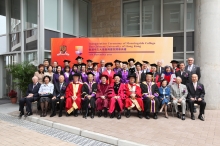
column 96, row 73
column 40, row 73
column 66, row 74
column 49, row 72
column 45, row 92
column 84, row 77
column 164, row 96
column 168, row 75
column 57, row 74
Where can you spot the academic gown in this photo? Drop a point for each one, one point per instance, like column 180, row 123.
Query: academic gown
column 66, row 76
column 110, row 76
column 137, row 102
column 117, row 70
column 102, row 90
column 73, row 89
column 97, row 76
column 120, row 100
column 124, row 74
column 56, row 78
column 84, row 77
column 156, row 79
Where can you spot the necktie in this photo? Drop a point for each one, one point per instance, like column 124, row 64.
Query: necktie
column 34, row 86
column 178, row 86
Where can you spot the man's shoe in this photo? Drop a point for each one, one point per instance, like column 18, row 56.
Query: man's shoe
column 155, row 116
column 112, row 116
column 99, row 113
column 21, row 114
column 60, row 114
column 193, row 117
column 92, row 115
column 178, row 115
column 201, row 118
column 128, row 113
column 140, row 114
column 119, row 116
column 105, row 113
column 183, row 117
column 53, row 114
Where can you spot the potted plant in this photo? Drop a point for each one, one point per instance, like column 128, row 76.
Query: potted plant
column 22, row 74
column 13, row 96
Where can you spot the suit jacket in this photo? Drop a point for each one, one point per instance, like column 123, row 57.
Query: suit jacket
column 34, row 91
column 100, row 70
column 57, row 92
column 198, row 93
column 185, row 76
column 183, row 91
column 87, row 91
column 195, row 70
column 160, row 71
column 144, row 88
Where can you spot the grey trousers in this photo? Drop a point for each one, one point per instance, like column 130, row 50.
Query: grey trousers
column 183, row 105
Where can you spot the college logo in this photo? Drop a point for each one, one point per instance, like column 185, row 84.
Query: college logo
column 63, row 51
column 79, row 50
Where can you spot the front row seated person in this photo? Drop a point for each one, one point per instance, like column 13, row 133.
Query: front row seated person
column 179, row 93
column 45, row 93
column 58, row 96
column 31, row 96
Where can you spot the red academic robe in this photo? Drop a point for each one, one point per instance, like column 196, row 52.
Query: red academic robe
column 102, row 103
column 110, row 76
column 121, row 93
column 128, row 102
column 70, row 90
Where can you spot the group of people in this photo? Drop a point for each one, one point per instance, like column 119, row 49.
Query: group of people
column 147, row 88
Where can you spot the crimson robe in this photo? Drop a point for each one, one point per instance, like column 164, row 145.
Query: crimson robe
column 128, row 101
column 70, row 92
column 110, row 76
column 121, row 100
column 102, row 90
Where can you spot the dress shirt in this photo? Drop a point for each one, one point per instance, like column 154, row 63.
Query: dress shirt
column 46, row 88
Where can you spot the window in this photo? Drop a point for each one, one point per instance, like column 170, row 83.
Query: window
column 3, row 47
column 178, row 41
column 2, row 17
column 48, row 35
column 15, row 16
column 30, row 13
column 83, row 18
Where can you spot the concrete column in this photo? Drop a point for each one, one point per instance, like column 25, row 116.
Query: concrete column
column 207, row 48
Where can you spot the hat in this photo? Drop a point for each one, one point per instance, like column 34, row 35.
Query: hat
column 108, row 63
column 149, row 73
column 132, row 70
column 76, row 65
column 153, row 65
column 89, row 60
column 125, row 62
column 117, row 75
column 90, row 73
column 132, row 75
column 79, row 58
column 131, row 59
column 138, row 63
column 66, row 61
column 145, row 62
column 117, row 61
column 174, row 61
column 104, row 76
column 94, row 64
column 82, row 64
column 74, row 75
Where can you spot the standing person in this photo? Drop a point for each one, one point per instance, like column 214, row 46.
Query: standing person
column 179, row 93
column 124, row 72
column 164, row 96
column 55, row 64
column 102, row 101
column 196, row 95
column 117, row 68
column 66, row 74
column 79, row 62
column 58, row 96
column 89, row 65
column 168, row 75
column 46, row 64
column 102, row 67
column 74, row 69
column 160, row 69
column 117, row 97
column 66, row 63
column 109, row 72
column 31, row 96
column 183, row 74
column 46, row 93
column 73, row 95
column 150, row 95
column 49, row 72
column 133, row 96
column 40, row 73
column 156, row 76
column 84, row 77
column 138, row 72
column 174, row 66
column 131, row 62
column 89, row 90
column 145, row 70
column 192, row 68
column 95, row 72
column 57, row 74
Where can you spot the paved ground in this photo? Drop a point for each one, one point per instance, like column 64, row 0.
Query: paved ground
column 158, row 132
column 4, row 100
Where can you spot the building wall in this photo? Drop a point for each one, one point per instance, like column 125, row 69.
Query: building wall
column 106, row 18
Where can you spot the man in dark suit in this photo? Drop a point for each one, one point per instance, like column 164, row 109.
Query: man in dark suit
column 160, row 69
column 102, row 67
column 55, row 64
column 193, row 69
column 31, row 96
column 46, row 64
column 183, row 74
column 58, row 96
column 196, row 93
